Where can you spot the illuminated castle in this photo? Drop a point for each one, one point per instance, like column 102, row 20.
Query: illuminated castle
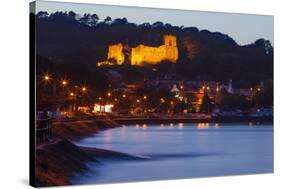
column 143, row 54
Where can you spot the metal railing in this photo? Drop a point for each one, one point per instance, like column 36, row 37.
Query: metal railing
column 43, row 129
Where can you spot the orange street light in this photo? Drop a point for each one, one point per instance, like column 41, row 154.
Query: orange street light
column 144, row 97
column 123, row 96
column 108, row 94
column 46, row 77
column 71, row 94
column 84, row 89
column 64, row 82
column 138, row 101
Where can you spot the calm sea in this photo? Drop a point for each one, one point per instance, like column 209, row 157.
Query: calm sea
column 181, row 150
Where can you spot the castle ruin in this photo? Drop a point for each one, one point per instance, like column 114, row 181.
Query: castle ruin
column 143, row 54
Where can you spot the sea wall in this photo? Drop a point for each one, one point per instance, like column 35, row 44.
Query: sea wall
column 57, row 161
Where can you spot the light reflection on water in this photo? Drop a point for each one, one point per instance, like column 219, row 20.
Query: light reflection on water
column 183, row 151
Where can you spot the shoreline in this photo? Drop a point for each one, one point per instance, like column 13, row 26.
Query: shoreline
column 74, row 130
column 193, row 120
column 58, row 160
column 49, row 169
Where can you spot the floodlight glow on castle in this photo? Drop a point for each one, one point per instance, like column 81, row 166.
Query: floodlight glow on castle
column 143, row 54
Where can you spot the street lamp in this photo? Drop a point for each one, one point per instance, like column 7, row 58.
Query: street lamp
column 84, row 89
column 144, row 97
column 46, row 77
column 123, row 96
column 109, row 94
column 64, row 82
column 71, row 94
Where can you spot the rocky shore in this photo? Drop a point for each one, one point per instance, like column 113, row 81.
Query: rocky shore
column 59, row 160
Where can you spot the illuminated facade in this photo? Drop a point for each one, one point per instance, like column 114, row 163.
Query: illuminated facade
column 114, row 56
column 115, row 52
column 144, row 54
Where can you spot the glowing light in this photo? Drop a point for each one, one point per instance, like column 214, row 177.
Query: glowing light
column 216, row 125
column 46, row 78
column 103, row 108
column 109, row 94
column 171, row 125
column 84, row 89
column 144, row 126
column 259, row 89
column 64, row 82
column 123, row 96
column 83, row 109
column 250, row 124
column 100, row 98
column 162, row 100
column 172, row 103
column 161, row 125
column 71, row 94
column 180, row 125
column 138, row 101
column 144, row 97
column 203, row 125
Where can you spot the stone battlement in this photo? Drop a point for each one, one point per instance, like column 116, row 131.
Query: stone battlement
column 144, row 54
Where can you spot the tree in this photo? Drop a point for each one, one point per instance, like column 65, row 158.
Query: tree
column 108, row 20
column 90, row 20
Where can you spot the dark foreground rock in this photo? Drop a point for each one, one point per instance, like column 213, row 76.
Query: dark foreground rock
column 58, row 161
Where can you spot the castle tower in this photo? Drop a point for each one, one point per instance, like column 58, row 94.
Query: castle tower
column 115, row 52
column 170, row 40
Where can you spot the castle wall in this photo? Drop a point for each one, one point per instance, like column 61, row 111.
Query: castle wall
column 145, row 54
column 153, row 55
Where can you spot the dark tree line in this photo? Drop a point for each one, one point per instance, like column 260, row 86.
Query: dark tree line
column 74, row 44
